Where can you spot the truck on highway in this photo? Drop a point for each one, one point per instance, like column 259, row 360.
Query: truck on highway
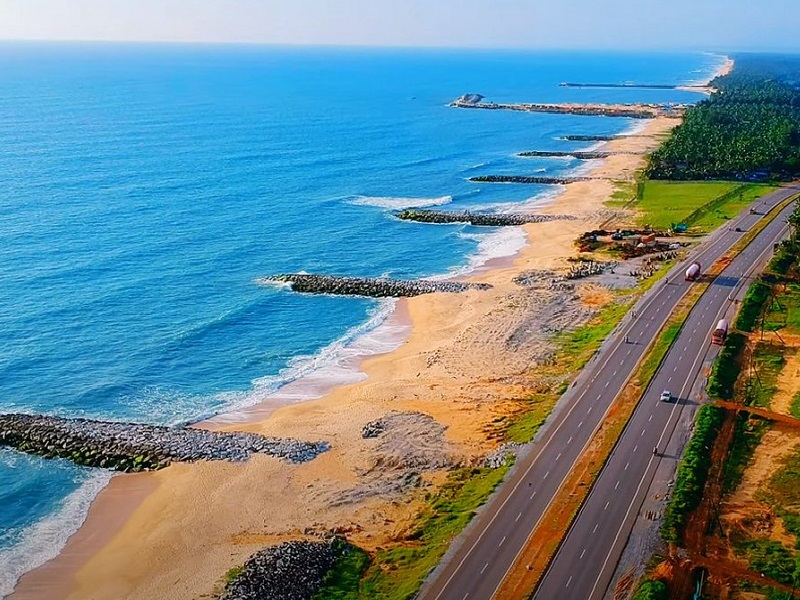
column 720, row 333
column 693, row 272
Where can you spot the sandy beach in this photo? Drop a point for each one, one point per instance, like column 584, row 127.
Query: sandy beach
column 466, row 362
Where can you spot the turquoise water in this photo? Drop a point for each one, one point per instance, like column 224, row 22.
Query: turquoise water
column 146, row 189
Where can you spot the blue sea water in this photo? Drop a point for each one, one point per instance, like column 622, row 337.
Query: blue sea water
column 147, row 188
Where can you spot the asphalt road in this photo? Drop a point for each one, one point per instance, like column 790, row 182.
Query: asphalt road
column 585, row 563
column 485, row 553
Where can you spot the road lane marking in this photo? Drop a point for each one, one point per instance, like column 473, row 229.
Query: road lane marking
column 558, row 456
column 579, row 424
column 606, row 506
column 502, row 541
column 627, row 464
column 532, row 495
column 595, row 528
column 650, row 419
column 569, row 440
column 643, row 430
column 484, row 568
column 636, row 447
column 582, row 553
column 588, row 411
column 569, row 581
column 518, row 517
column 617, row 485
column 545, row 475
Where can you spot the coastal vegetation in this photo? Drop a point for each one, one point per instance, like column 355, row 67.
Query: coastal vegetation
column 651, row 589
column 749, row 128
column 692, row 473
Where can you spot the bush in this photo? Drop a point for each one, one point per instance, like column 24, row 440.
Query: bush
column 651, row 589
column 726, row 368
column 692, row 473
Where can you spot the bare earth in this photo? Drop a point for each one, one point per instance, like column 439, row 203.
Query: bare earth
column 465, row 363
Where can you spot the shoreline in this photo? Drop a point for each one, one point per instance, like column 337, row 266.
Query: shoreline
column 112, row 528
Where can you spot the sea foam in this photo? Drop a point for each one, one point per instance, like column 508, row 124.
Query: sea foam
column 43, row 540
column 399, row 203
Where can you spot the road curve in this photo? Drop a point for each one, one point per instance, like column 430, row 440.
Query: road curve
column 584, row 564
column 484, row 554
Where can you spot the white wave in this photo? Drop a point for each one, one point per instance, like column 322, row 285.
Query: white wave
column 400, row 203
column 274, row 283
column 310, row 377
column 521, row 206
column 43, row 540
column 501, row 243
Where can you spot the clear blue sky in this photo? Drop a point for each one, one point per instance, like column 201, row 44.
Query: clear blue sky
column 684, row 24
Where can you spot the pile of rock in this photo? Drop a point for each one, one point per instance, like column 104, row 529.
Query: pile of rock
column 138, row 447
column 581, row 155
column 587, row 268
column 486, row 220
column 526, row 179
column 290, row 571
column 374, row 287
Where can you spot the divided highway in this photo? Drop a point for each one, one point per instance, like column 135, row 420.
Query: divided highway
column 486, row 552
column 585, row 563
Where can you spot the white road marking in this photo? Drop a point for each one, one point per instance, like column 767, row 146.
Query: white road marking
column 641, row 434
column 545, row 475
column 502, row 541
column 669, row 379
column 558, row 456
column 627, row 464
column 569, row 440
column 484, row 568
column 607, row 382
column 532, row 495
column 582, row 553
column 595, row 528
column 650, row 419
column 579, row 424
column 616, row 486
column 569, row 581
column 519, row 516
column 606, row 506
column 589, row 410
column 635, row 448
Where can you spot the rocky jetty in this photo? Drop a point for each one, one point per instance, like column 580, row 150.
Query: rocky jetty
column 630, row 111
column 486, row 220
column 470, row 98
column 592, row 138
column 526, row 179
column 580, row 155
column 290, row 571
column 636, row 86
column 373, row 287
column 138, row 447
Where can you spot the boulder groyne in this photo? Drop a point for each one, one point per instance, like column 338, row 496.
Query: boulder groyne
column 373, row 287
column 585, row 155
column 495, row 220
column 290, row 571
column 592, row 138
column 138, row 447
column 635, row 86
column 630, row 111
column 526, row 179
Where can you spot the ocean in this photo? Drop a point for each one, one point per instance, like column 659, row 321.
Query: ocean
column 147, row 188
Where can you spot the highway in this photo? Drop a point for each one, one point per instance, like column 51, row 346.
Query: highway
column 485, row 553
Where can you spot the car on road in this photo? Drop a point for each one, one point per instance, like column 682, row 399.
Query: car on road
column 666, row 396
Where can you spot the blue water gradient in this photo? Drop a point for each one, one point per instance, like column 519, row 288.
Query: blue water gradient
column 147, row 187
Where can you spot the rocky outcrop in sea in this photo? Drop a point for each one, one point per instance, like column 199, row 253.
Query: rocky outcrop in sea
column 290, row 571
column 139, row 447
column 373, row 287
column 487, row 220
column 580, row 155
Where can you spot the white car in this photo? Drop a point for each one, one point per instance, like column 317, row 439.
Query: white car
column 666, row 396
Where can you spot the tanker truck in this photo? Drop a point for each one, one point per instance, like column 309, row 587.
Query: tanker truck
column 693, row 272
column 720, row 333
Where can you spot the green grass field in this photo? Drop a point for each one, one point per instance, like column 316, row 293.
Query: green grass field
column 703, row 205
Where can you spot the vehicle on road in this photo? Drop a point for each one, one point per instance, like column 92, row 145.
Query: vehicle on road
column 693, row 272
column 720, row 333
column 666, row 396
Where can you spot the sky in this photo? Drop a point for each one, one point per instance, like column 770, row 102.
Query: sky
column 608, row 24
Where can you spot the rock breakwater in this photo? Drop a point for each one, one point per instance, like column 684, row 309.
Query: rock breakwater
column 526, row 179
column 373, row 287
column 586, row 155
column 630, row 111
column 496, row 220
column 138, row 447
column 592, row 138
column 290, row 571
